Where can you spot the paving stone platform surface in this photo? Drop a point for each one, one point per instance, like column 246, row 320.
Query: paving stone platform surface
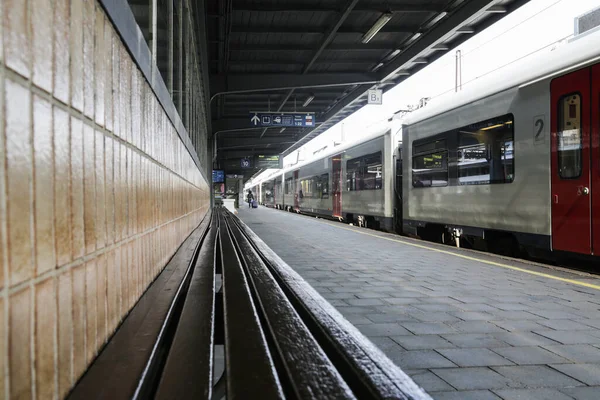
column 462, row 324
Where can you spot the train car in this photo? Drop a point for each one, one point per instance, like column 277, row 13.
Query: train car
column 353, row 182
column 511, row 163
column 267, row 193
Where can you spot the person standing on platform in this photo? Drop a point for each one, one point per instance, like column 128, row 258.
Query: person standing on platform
column 250, row 197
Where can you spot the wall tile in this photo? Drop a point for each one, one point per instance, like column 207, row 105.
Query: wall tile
column 44, row 185
column 112, row 287
column 91, row 313
column 135, row 103
column 100, row 189
column 132, row 161
column 109, row 194
column 77, row 189
column 79, row 321
column 118, row 191
column 119, row 277
column 41, row 26
column 101, row 305
column 100, row 67
column 108, row 84
column 116, row 82
column 76, row 47
column 20, row 358
column 3, row 348
column 19, row 171
column 89, row 17
column 61, row 51
column 62, row 210
column 124, row 190
column 124, row 279
column 45, row 337
column 125, row 94
column 89, row 188
column 65, row 333
column 17, row 42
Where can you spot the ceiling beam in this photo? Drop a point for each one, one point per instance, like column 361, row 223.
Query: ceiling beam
column 330, row 35
column 437, row 35
column 240, row 83
column 298, row 47
column 271, row 29
column 231, row 153
column 231, row 143
column 300, row 6
column 300, row 62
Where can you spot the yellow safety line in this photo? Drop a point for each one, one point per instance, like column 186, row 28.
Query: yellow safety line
column 572, row 281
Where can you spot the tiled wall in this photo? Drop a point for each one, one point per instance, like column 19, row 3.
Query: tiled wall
column 96, row 191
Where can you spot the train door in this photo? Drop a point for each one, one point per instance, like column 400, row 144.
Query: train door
column 336, row 185
column 398, row 194
column 296, row 186
column 570, row 164
column 595, row 129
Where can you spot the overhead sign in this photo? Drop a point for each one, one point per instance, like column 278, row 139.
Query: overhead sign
column 245, row 163
column 275, row 119
column 375, row 96
column 218, row 176
column 263, row 161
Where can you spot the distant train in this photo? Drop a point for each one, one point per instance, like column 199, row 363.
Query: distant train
column 510, row 164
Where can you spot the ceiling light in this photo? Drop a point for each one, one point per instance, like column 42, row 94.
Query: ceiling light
column 308, row 100
column 375, row 68
column 380, row 23
column 281, row 130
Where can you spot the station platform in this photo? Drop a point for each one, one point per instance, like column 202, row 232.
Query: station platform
column 462, row 324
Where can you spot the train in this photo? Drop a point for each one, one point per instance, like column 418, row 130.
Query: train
column 510, row 164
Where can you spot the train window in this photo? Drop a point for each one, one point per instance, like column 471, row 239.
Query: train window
column 569, row 136
column 364, row 173
column 324, row 186
column 306, row 187
column 430, row 146
column 430, row 170
column 485, row 152
column 289, row 185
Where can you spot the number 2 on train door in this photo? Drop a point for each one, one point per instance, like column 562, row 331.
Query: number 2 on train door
column 570, row 163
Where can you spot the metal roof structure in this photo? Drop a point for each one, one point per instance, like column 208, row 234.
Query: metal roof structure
column 272, row 55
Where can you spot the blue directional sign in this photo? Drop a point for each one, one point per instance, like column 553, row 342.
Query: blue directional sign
column 266, row 119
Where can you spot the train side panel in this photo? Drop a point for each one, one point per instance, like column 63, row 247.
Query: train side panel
column 521, row 206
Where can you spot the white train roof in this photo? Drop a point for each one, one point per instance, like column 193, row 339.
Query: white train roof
column 581, row 51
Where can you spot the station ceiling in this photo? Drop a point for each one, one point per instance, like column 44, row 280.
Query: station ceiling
column 275, row 54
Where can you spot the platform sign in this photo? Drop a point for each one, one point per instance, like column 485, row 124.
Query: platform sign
column 265, row 161
column 375, row 96
column 218, row 176
column 275, row 119
column 245, row 163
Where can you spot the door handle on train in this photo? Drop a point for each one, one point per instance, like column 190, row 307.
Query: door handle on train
column 582, row 190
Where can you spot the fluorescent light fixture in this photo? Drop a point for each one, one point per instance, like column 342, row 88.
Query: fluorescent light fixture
column 281, row 130
column 375, row 68
column 420, row 61
column 310, row 98
column 380, row 23
column 487, row 128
